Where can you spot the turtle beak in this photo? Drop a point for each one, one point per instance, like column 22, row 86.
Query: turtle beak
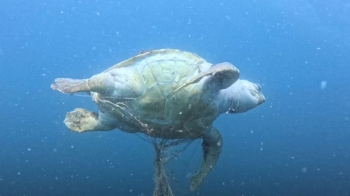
column 261, row 98
column 256, row 92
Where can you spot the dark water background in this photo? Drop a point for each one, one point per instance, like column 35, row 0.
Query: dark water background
column 297, row 143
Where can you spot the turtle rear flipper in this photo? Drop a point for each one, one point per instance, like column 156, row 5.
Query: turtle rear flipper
column 68, row 85
column 212, row 144
column 101, row 83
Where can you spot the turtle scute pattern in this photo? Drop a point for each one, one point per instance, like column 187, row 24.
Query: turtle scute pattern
column 160, row 73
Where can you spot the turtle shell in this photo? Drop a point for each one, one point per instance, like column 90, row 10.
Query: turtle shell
column 172, row 104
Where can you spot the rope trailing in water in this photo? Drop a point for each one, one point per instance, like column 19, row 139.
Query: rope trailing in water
column 162, row 187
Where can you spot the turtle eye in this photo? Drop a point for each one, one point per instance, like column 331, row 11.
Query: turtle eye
column 258, row 87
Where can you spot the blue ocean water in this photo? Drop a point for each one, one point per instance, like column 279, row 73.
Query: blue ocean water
column 296, row 143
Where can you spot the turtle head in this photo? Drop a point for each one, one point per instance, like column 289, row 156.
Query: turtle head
column 240, row 97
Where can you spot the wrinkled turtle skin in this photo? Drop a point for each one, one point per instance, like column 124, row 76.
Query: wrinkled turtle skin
column 167, row 93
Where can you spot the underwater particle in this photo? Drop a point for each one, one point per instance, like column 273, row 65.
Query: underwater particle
column 304, row 169
column 29, row 149
column 189, row 175
column 18, row 173
column 130, row 190
column 72, row 146
column 323, row 84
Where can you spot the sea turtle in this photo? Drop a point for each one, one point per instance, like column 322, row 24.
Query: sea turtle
column 166, row 93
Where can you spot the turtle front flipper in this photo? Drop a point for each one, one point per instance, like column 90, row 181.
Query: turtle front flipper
column 223, row 75
column 98, row 83
column 81, row 120
column 212, row 144
column 220, row 76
